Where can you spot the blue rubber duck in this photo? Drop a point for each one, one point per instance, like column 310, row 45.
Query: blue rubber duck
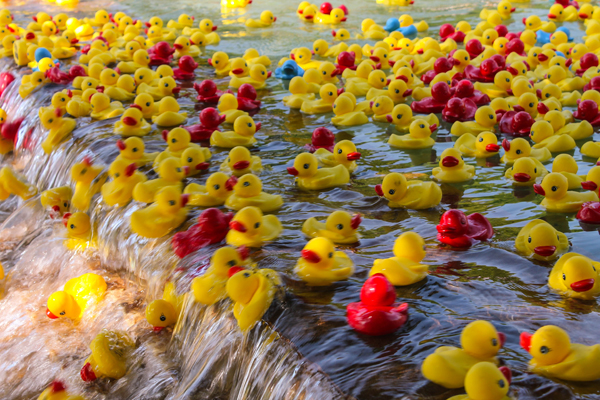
column 393, row 24
column 289, row 70
column 40, row 54
column 544, row 37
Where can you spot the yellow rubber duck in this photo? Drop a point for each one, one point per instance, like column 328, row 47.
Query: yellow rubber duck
column 166, row 87
column 157, row 34
column 62, row 49
column 29, row 83
column 519, row 147
column 183, row 21
column 402, row 118
column 346, row 114
column 57, row 391
column 485, row 121
column 265, row 21
column 217, row 189
column 132, row 152
column 14, row 183
column 88, row 182
column 207, row 29
column 299, row 93
column 124, row 176
column 413, row 195
column 228, row 106
column 79, row 231
column 329, row 93
column 562, row 14
column 123, row 90
column 57, row 199
column 504, row 8
column 321, row 265
column 220, row 62
column 381, row 107
column 243, row 132
column 165, row 312
column 163, row 216
column 376, row 79
column 60, row 128
column 500, row 86
column 239, row 68
column 485, row 381
column 566, row 99
column 339, row 227
column 146, row 103
column 452, row 168
column 576, row 276
column 405, row 267
column 178, row 141
column 101, row 17
column 333, row 18
column 140, row 59
column 132, row 123
column 252, row 57
column 252, row 293
column 59, row 101
column 557, row 198
column 76, row 296
column 419, row 136
column 248, row 192
column 102, row 108
column 525, row 171
column 168, row 113
column 211, row 286
column 241, row 162
column 448, row 366
column 344, row 153
column 371, row 30
column 170, row 173
column 485, row 145
column 541, row 241
column 110, row 351
column 554, row 356
column 592, row 180
column 258, row 77
column 397, row 91
column 566, row 165
column 127, row 54
column 194, row 161
column 20, row 52
column 543, row 136
column 251, row 228
column 311, row 177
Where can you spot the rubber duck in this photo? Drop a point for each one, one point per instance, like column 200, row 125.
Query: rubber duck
column 452, row 168
column 265, row 21
column 218, row 188
column 241, row 162
column 404, row 268
column 170, row 173
column 329, row 93
column 221, row 63
column 157, row 34
column 299, row 93
column 58, row 391
column 60, row 128
column 448, row 365
column 249, row 227
column 123, row 90
column 371, row 30
column 79, row 231
column 57, row 199
column 485, row 145
column 247, row 191
column 164, row 215
column 339, row 227
column 229, row 108
column 210, row 119
column 334, row 17
column 499, row 88
column 321, row 265
column 86, row 174
column 168, row 113
column 419, row 136
column 243, row 132
column 543, row 136
column 76, row 296
column 310, row 177
column 164, row 312
column 376, row 79
column 414, row 194
column 566, row 165
column 402, row 118
column 208, row 92
column 592, row 179
column 183, row 21
column 559, row 13
column 346, row 113
column 525, row 171
column 288, row 70
column 554, row 356
column 102, row 108
column 212, row 227
column 166, row 87
column 486, row 381
column 126, row 54
column 519, row 147
column 208, row 31
column 541, row 241
column 132, row 123
column 131, row 151
column 504, row 8
column 557, row 198
column 459, row 230
column 381, row 107
column 14, row 183
column 344, row 153
column 29, row 83
column 252, row 293
column 485, row 121
column 110, row 350
column 101, row 17
column 258, row 76
column 124, row 178
column 252, row 57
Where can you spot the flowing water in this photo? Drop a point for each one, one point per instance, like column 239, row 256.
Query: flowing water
column 303, row 348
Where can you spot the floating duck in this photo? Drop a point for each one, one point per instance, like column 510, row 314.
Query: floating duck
column 452, row 168
column 402, row 118
column 212, row 227
column 554, row 356
column 559, row 13
column 376, row 79
column 57, row 199
column 170, row 173
column 486, row 381
column 123, row 90
column 78, row 293
column 166, row 87
column 376, row 314
column 405, row 25
column 504, row 8
column 225, row 262
column 340, row 227
column 566, row 165
column 404, row 268
column 485, row 121
column 540, row 240
column 321, row 138
column 557, row 198
column 249, row 227
column 110, row 350
column 252, row 56
column 414, row 194
column 240, row 162
column 86, row 174
column 165, row 312
column 247, row 191
column 321, row 265
column 168, row 113
column 576, row 276
column 299, row 93
column 344, row 153
column 310, row 177
column 265, row 21
column 592, row 179
column 252, row 293
column 124, row 178
column 288, row 70
column 459, row 230
column 346, row 113
column 186, row 68
column 525, row 171
column 243, row 132
column 218, row 188
column 59, row 128
column 58, row 391
column 221, row 63
column 419, row 136
column 102, row 108
column 132, row 123
column 14, row 183
column 79, row 231
column 183, row 21
column 184, row 47
column 485, row 145
column 229, row 108
column 258, row 76
column 448, row 365
column 543, row 136
column 519, row 147
column 131, row 151
column 329, row 94
column 208, row 92
column 164, row 215
column 589, row 213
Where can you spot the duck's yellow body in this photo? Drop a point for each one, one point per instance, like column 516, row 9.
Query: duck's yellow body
column 405, row 267
column 77, row 294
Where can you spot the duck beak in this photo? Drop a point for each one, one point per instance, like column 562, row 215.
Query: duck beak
column 241, row 165
column 389, row 118
column 433, row 127
column 186, row 170
column 292, row 171
column 506, row 145
column 214, row 28
column 450, row 161
column 539, row 189
column 507, row 374
column 202, row 166
column 87, row 374
column 293, row 56
column 130, row 169
column 340, row 91
column 492, row 148
column 583, row 286
column 50, row 315
column 210, row 62
column 502, row 338
column 258, row 125
column 551, row 16
column 512, row 10
column 353, row 156
column 542, row 108
column 121, row 145
column 157, row 328
column 407, row 93
column 230, row 183
column 374, row 58
column 589, row 185
column 542, row 57
column 544, row 251
column 379, row 190
column 525, row 340
column 311, row 256
column 522, row 177
column 238, row 226
column 234, row 270
column 136, row 106
column 513, row 71
column 185, row 198
column 404, row 78
column 355, row 221
column 178, row 46
column 269, row 73
column 538, row 93
column 130, row 121
column 583, row 16
column 274, row 19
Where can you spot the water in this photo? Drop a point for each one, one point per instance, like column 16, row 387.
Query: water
column 304, row 348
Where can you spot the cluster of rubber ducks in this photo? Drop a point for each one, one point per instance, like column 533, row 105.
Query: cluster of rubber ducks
column 483, row 80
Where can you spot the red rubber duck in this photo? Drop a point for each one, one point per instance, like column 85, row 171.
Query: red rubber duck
column 186, row 68
column 208, row 92
column 63, row 78
column 515, row 45
column 440, row 65
column 459, row 230
column 212, row 227
column 465, row 90
column 474, row 48
column 440, row 94
column 516, row 123
column 246, row 97
column 589, row 213
column 458, row 109
column 161, row 53
column 447, row 31
column 588, row 110
column 6, row 78
column 10, row 130
column 486, row 72
column 502, row 29
column 594, row 83
column 376, row 314
column 346, row 59
column 566, row 3
column 210, row 119
column 322, row 138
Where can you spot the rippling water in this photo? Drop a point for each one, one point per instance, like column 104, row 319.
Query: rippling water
column 304, row 348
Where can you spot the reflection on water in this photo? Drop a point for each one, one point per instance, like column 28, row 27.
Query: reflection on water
column 304, row 348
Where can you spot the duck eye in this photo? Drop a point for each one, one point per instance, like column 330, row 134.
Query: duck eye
column 518, row 151
column 554, row 188
column 339, row 151
column 399, row 116
column 72, row 226
column 172, row 202
column 535, row 170
column 564, row 277
column 501, row 383
column 544, row 350
column 62, row 313
column 421, row 126
column 330, row 255
column 547, row 95
column 249, row 124
column 392, row 191
column 190, row 159
column 117, row 175
column 257, row 225
column 491, row 116
column 529, row 239
column 166, row 85
column 340, row 226
column 331, row 93
column 463, row 221
column 494, row 342
column 66, row 204
column 217, row 187
column 246, row 183
column 162, row 317
column 135, row 149
column 306, row 166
